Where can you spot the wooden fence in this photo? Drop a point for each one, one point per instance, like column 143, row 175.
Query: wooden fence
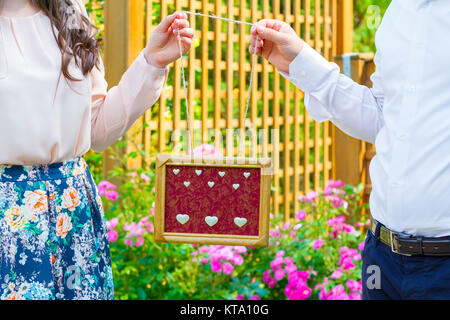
column 217, row 71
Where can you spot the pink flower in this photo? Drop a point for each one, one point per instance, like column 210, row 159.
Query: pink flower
column 103, row 186
column 361, row 246
column 301, row 214
column 239, row 297
column 145, row 222
column 317, row 244
column 349, row 229
column 310, row 197
column 228, row 268
column 354, row 285
column 204, row 260
column 274, row 233
column 139, row 242
column 237, row 260
column 337, row 293
column 216, row 266
column 335, row 184
column 111, row 224
column 279, row 274
column 280, row 253
column 134, row 229
column 254, row 297
column 112, row 235
column 135, row 232
column 145, row 178
column 336, row 274
column 240, row 249
column 268, row 279
column 112, row 195
column 290, row 268
column 285, row 226
column 354, row 296
column 276, row 263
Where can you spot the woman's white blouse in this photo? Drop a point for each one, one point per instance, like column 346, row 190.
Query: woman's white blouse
column 45, row 118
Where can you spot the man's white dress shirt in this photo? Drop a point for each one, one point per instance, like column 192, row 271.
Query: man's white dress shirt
column 406, row 114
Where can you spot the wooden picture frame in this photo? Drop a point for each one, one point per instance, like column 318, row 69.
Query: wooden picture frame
column 258, row 230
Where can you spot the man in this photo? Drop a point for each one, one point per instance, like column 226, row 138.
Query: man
column 407, row 115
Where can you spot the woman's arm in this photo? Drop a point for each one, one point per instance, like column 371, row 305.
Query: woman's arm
column 115, row 111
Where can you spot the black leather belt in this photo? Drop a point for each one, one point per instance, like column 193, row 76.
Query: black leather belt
column 408, row 245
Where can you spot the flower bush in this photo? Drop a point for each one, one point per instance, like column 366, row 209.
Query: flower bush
column 314, row 255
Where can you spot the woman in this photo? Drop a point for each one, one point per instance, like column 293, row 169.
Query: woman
column 54, row 107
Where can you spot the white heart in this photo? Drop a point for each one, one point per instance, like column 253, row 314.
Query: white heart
column 198, row 172
column 221, row 173
column 211, row 184
column 240, row 222
column 246, row 174
column 211, row 220
column 176, row 171
column 235, row 186
column 182, row 218
column 187, row 183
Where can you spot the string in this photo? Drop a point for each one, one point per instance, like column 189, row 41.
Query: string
column 242, row 140
column 216, row 17
column 190, row 142
column 248, row 95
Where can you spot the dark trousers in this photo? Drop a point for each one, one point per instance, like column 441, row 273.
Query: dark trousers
column 388, row 275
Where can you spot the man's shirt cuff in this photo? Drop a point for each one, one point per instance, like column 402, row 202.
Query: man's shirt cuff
column 309, row 69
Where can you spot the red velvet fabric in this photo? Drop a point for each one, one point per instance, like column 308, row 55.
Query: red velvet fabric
column 199, row 200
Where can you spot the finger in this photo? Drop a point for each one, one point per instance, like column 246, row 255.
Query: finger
column 266, row 23
column 268, row 33
column 165, row 24
column 180, row 15
column 186, row 43
column 186, row 32
column 252, row 50
column 253, row 42
column 179, row 24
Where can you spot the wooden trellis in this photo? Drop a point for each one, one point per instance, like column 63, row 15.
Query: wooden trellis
column 217, row 72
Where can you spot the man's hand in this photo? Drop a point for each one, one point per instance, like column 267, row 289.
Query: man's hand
column 278, row 43
column 162, row 47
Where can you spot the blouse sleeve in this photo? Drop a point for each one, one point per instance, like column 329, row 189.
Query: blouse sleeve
column 115, row 111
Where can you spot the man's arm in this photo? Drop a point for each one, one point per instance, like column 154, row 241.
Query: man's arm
column 329, row 95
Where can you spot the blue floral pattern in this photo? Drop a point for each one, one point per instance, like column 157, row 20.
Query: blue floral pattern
column 53, row 238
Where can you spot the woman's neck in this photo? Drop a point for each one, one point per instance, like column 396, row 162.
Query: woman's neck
column 17, row 8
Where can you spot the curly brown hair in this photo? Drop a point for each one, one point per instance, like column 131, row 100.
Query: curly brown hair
column 76, row 35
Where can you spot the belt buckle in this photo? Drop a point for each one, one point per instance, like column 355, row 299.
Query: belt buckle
column 394, row 245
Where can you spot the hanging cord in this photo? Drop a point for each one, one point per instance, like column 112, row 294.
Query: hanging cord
column 216, row 17
column 242, row 139
column 190, row 140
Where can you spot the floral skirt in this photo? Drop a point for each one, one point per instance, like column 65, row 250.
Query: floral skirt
column 53, row 238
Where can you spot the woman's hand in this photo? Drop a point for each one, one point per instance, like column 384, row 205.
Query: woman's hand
column 278, row 43
column 162, row 47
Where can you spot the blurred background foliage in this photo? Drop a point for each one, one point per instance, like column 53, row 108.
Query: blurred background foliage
column 367, row 15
